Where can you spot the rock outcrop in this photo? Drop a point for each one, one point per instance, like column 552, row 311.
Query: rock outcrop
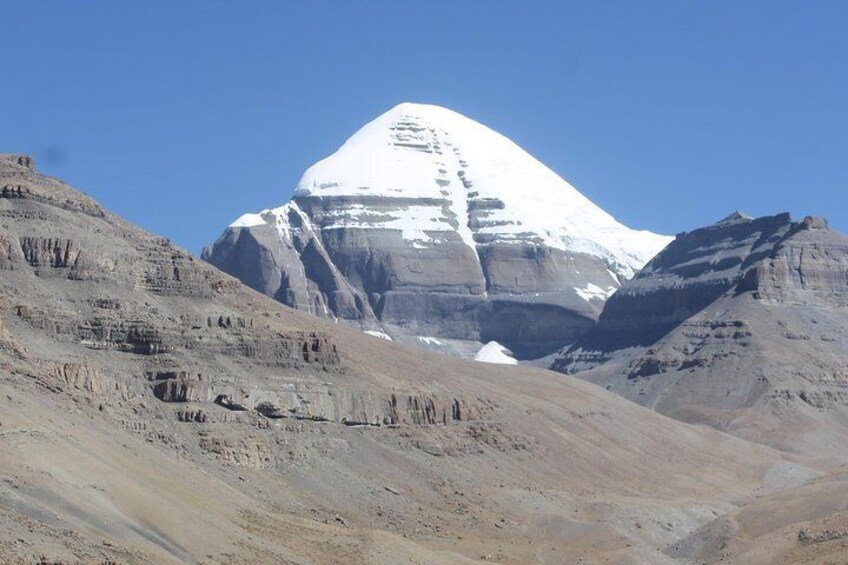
column 742, row 325
column 426, row 224
column 172, row 325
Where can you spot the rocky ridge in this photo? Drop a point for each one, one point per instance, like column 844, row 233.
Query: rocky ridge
column 741, row 325
column 55, row 252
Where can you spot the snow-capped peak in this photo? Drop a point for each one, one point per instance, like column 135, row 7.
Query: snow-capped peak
column 451, row 173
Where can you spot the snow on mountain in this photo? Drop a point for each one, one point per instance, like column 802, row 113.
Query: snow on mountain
column 497, row 192
column 381, row 335
column 494, row 352
column 426, row 225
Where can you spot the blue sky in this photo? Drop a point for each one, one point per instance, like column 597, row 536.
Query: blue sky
column 670, row 115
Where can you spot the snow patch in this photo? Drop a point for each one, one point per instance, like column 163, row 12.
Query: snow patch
column 593, row 291
column 412, row 221
column 381, row 335
column 248, row 221
column 430, row 340
column 494, row 352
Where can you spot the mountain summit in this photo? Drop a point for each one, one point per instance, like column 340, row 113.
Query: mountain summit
column 428, row 224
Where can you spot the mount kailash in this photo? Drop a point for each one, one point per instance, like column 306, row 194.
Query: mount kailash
column 431, row 229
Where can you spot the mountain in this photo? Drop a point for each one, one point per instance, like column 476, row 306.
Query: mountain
column 742, row 325
column 433, row 229
column 154, row 409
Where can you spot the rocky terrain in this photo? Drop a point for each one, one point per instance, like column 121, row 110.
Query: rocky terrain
column 154, row 409
column 741, row 325
column 436, row 231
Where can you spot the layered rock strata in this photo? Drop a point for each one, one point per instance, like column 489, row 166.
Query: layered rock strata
column 426, row 224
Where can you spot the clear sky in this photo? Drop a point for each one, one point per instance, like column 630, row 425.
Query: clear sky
column 669, row 114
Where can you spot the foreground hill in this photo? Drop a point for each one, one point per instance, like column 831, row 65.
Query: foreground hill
column 437, row 231
column 742, row 325
column 153, row 409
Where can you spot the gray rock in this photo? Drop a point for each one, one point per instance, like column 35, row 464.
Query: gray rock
column 742, row 325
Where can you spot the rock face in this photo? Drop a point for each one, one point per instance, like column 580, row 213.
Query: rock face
column 428, row 224
column 126, row 292
column 742, row 325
